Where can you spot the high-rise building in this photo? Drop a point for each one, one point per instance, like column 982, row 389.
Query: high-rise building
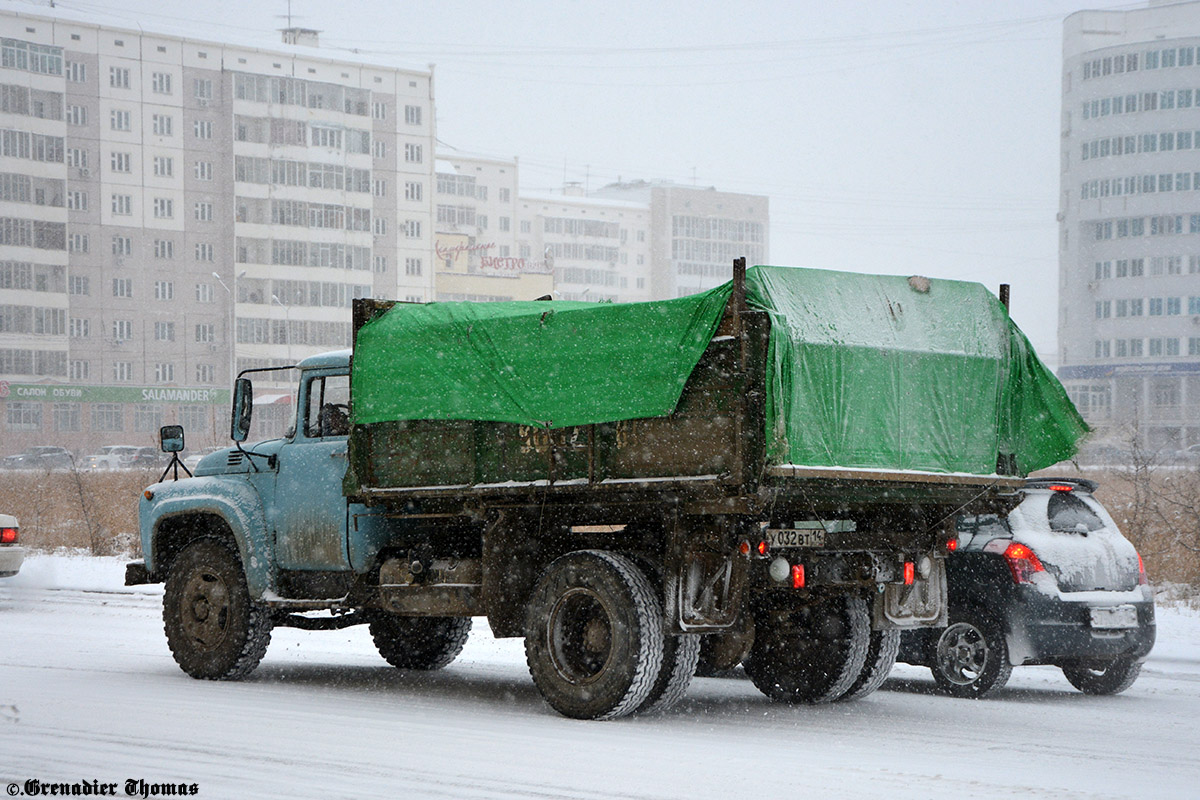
column 1129, row 249
column 696, row 232
column 174, row 210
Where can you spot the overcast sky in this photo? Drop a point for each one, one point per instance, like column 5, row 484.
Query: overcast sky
column 891, row 136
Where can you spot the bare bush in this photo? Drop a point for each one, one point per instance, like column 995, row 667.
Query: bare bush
column 77, row 509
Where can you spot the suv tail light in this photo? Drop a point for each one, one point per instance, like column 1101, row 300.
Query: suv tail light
column 12, row 536
column 1022, row 562
column 1142, row 581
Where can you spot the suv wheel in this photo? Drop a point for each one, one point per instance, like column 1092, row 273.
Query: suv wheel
column 970, row 658
column 1109, row 677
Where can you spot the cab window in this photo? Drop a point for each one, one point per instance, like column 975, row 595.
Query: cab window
column 327, row 410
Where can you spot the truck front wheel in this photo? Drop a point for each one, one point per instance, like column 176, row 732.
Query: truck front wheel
column 214, row 629
column 812, row 653
column 593, row 635
column 425, row 643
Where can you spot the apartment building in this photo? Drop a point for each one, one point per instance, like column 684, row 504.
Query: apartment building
column 174, row 210
column 1129, row 251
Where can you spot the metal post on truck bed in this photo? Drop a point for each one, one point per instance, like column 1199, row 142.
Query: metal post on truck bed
column 739, row 287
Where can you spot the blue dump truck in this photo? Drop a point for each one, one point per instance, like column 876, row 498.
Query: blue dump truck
column 767, row 473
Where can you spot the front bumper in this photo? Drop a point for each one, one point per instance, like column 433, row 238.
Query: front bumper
column 11, row 558
column 1050, row 630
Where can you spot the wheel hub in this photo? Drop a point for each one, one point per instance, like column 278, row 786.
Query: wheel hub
column 579, row 636
column 206, row 612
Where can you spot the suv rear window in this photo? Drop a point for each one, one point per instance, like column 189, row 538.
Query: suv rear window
column 1069, row 514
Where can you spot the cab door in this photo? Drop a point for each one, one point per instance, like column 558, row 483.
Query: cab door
column 310, row 518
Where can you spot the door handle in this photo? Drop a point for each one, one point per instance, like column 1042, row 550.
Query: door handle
column 338, row 454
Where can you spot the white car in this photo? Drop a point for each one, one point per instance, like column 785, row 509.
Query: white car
column 11, row 553
column 118, row 456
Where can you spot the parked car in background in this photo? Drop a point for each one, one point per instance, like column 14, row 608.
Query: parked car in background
column 11, row 552
column 1054, row 582
column 114, row 456
column 44, row 457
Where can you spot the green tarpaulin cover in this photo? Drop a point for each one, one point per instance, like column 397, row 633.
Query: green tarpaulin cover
column 864, row 370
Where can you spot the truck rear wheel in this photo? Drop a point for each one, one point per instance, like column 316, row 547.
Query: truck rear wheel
column 810, row 654
column 425, row 643
column 593, row 635
column 680, row 654
column 214, row 629
column 881, row 657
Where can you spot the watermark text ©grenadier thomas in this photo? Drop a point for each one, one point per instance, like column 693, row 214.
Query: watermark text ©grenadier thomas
column 133, row 787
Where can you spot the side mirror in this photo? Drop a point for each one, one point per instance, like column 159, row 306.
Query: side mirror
column 243, row 407
column 170, row 438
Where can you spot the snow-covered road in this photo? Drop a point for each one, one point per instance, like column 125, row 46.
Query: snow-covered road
column 88, row 691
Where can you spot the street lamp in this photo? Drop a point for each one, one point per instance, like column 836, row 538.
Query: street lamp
column 232, row 338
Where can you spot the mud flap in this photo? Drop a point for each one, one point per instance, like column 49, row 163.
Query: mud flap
column 919, row 605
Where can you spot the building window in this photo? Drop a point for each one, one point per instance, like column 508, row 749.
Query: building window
column 162, row 124
column 412, row 266
column 380, row 225
column 205, row 293
column 122, row 287
column 412, row 229
column 380, row 264
column 76, row 115
column 504, row 224
column 122, row 245
column 164, row 331
column 378, row 111
column 77, row 157
column 79, row 285
column 206, row 333
column 119, row 120
column 412, row 153
column 164, row 290
column 164, row 167
column 203, row 211
column 204, row 171
column 379, row 187
column 80, row 328
column 412, row 190
column 77, row 243
column 412, row 115
column 77, row 200
column 80, row 370
column 122, row 330
column 505, row 195
column 203, row 129
column 122, row 204
column 202, row 89
column 205, row 251
column 76, row 72
column 122, row 162
column 110, row 417
column 526, row 226
column 160, row 83
column 379, row 149
column 164, row 248
column 118, row 77
column 164, row 208
column 23, row 416
column 164, row 373
column 205, row 373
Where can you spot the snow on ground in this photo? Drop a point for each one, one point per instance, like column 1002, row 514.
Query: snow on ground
column 88, row 690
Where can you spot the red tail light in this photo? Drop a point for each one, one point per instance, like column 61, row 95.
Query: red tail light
column 1022, row 562
column 909, row 573
column 744, row 548
column 1142, row 581
column 797, row 576
column 1061, row 487
column 952, row 545
column 11, row 536
column 763, row 548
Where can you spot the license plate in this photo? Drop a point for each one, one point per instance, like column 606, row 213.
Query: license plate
column 1114, row 617
column 795, row 537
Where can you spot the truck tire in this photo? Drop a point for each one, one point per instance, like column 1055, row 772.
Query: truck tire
column 214, row 629
column 680, row 654
column 1111, row 677
column 812, row 653
column 424, row 643
column 970, row 657
column 881, row 657
column 593, row 635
